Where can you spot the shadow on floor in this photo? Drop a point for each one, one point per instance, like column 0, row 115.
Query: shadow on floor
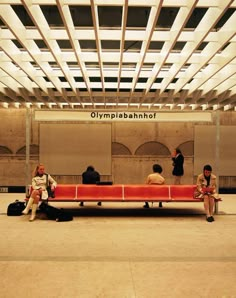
column 132, row 212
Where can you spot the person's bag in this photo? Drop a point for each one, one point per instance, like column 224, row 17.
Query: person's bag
column 64, row 216
column 55, row 213
column 15, row 208
column 51, row 193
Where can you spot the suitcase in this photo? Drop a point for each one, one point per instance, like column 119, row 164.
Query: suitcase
column 15, row 208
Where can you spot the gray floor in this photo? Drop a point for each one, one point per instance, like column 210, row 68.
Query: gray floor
column 120, row 250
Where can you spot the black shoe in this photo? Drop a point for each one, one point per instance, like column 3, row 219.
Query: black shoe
column 146, row 205
column 209, row 219
column 160, row 204
column 81, row 204
column 212, row 218
column 99, row 203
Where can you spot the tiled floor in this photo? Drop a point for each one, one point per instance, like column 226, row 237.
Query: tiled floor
column 120, row 250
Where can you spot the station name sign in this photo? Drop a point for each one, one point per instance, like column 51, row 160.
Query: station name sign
column 121, row 116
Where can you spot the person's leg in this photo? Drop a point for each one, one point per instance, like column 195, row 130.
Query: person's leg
column 33, row 212
column 36, row 197
column 146, row 205
column 177, row 180
column 209, row 217
column 206, row 205
column 211, row 206
column 28, row 206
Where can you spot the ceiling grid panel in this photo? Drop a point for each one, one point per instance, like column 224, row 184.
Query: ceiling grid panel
column 41, row 23
column 118, row 54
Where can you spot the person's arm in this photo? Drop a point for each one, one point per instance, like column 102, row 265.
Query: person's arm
column 98, row 177
column 213, row 184
column 148, row 180
column 52, row 182
column 199, row 184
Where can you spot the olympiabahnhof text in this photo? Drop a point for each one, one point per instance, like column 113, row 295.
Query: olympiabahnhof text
column 123, row 115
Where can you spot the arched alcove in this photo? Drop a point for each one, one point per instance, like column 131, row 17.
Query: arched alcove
column 34, row 149
column 120, row 149
column 152, row 148
column 5, row 150
column 187, row 148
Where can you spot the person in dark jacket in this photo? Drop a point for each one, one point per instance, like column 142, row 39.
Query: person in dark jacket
column 90, row 176
column 178, row 164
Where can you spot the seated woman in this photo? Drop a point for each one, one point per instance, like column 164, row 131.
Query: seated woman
column 206, row 190
column 155, row 178
column 40, row 182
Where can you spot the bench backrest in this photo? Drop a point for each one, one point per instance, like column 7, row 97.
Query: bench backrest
column 182, row 192
column 66, row 191
column 149, row 192
column 99, row 192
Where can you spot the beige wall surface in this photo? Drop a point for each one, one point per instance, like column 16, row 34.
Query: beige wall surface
column 135, row 147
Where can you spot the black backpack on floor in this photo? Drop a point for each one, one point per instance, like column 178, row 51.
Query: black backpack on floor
column 55, row 213
column 15, row 208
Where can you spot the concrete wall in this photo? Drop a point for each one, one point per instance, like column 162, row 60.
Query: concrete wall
column 135, row 147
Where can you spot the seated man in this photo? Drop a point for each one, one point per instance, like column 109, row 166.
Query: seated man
column 90, row 176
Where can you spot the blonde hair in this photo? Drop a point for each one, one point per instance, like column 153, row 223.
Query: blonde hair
column 35, row 171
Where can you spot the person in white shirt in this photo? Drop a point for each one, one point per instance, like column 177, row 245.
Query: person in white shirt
column 40, row 182
column 155, row 178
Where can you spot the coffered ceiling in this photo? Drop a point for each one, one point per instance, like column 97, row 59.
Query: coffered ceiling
column 118, row 54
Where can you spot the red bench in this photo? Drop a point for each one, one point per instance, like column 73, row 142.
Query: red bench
column 126, row 193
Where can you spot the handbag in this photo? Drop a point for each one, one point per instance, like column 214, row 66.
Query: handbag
column 15, row 208
column 51, row 193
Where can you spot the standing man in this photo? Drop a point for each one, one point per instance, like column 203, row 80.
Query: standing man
column 178, row 164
